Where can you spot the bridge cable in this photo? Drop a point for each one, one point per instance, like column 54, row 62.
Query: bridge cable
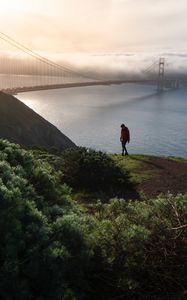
column 41, row 58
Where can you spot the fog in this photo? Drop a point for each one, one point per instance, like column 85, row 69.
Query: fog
column 111, row 65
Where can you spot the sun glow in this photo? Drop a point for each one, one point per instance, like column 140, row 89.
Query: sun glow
column 13, row 6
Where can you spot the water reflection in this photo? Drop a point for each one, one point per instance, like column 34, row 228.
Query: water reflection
column 91, row 116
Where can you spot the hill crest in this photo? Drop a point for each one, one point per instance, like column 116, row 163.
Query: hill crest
column 20, row 124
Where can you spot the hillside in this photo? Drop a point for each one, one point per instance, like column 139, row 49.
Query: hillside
column 94, row 175
column 54, row 248
column 154, row 175
column 20, row 124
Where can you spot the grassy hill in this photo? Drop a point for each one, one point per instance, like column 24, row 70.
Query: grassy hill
column 153, row 175
column 129, row 177
column 54, row 246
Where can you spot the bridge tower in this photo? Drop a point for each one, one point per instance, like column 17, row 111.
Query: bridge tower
column 160, row 83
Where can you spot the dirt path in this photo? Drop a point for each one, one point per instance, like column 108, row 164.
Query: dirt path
column 167, row 175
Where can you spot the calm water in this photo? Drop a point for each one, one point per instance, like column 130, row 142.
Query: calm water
column 91, row 116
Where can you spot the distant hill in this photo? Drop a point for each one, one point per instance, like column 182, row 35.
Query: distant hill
column 20, row 124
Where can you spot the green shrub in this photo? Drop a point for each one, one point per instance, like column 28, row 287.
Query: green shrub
column 51, row 249
column 141, row 249
column 94, row 171
column 44, row 245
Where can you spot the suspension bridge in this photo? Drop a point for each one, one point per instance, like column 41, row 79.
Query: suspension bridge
column 32, row 71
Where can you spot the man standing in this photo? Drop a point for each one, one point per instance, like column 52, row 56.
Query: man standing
column 124, row 138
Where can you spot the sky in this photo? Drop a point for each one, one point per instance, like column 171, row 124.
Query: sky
column 101, row 36
column 96, row 26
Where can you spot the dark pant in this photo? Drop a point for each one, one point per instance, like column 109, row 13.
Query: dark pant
column 123, row 143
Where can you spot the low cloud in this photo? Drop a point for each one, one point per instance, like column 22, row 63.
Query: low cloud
column 99, row 65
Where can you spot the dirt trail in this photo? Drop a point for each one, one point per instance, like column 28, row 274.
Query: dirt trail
column 169, row 175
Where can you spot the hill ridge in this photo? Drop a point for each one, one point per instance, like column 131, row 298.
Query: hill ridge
column 20, row 124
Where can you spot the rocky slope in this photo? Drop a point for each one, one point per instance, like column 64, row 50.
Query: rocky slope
column 20, row 124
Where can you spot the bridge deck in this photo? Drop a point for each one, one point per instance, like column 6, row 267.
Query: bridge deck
column 17, row 90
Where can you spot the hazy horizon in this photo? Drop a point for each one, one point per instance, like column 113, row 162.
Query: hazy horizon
column 107, row 65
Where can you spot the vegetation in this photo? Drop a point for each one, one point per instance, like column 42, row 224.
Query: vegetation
column 43, row 249
column 136, row 166
column 141, row 247
column 93, row 171
column 53, row 248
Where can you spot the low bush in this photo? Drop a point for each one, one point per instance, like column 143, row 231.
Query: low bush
column 51, row 249
column 141, row 249
column 43, row 241
column 94, row 171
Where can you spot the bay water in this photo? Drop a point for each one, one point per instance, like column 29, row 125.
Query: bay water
column 91, row 116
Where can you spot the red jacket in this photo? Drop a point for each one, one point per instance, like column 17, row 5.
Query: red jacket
column 125, row 134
